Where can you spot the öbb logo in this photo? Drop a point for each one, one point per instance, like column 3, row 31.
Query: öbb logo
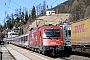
column 79, row 29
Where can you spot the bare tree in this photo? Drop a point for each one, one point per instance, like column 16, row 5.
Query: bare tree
column 87, row 12
column 74, row 10
column 78, row 10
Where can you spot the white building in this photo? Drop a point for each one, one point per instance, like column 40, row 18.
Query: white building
column 50, row 12
column 12, row 33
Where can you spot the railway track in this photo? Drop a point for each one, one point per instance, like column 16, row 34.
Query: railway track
column 76, row 56
column 35, row 56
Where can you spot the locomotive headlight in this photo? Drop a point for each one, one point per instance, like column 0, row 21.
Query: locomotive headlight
column 61, row 41
column 51, row 28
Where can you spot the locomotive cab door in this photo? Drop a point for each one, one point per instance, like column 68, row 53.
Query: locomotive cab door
column 37, row 38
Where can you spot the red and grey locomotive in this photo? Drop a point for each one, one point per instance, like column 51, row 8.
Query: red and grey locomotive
column 45, row 39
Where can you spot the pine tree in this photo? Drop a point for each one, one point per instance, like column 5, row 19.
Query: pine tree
column 33, row 13
column 12, row 20
column 1, row 28
column 26, row 17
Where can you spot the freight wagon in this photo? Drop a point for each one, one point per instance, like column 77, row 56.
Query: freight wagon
column 80, row 36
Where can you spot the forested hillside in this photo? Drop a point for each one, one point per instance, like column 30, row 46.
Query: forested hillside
column 78, row 8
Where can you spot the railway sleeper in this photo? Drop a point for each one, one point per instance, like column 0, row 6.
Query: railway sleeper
column 83, row 49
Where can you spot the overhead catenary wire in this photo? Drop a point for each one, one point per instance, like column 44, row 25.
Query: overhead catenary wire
column 34, row 2
column 7, row 6
column 53, row 3
column 30, row 2
column 16, row 4
column 24, row 6
column 19, row 5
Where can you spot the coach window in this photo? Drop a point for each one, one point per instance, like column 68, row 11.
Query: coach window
column 15, row 40
column 32, row 33
column 18, row 40
column 25, row 38
column 21, row 39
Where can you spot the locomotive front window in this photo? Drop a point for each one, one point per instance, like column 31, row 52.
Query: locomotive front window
column 52, row 33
